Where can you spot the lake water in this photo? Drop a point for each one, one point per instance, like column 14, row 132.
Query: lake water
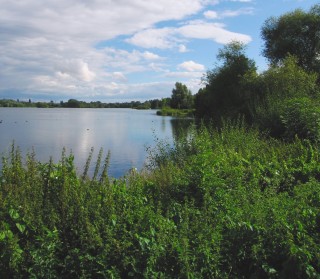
column 125, row 132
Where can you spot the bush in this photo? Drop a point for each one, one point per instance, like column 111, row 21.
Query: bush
column 288, row 103
column 301, row 117
column 219, row 204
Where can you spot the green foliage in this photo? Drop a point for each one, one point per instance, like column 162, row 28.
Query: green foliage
column 280, row 87
column 288, row 80
column 73, row 103
column 225, row 203
column 295, row 33
column 225, row 95
column 250, row 189
column 181, row 97
column 167, row 111
column 283, row 100
column 301, row 117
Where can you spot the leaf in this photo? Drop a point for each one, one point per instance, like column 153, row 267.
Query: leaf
column 2, row 236
column 14, row 214
column 114, row 222
column 21, row 227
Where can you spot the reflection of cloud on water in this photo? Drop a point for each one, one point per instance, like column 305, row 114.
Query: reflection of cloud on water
column 126, row 133
column 121, row 132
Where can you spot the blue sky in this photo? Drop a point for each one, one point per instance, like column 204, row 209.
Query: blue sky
column 123, row 50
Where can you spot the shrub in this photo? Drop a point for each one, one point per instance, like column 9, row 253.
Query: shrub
column 301, row 117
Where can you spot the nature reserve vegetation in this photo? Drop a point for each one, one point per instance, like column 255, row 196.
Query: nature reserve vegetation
column 237, row 196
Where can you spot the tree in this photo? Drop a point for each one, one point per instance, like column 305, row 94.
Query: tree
column 73, row 103
column 283, row 87
column 296, row 33
column 225, row 94
column 181, row 97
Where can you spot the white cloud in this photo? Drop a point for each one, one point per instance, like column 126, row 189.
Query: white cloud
column 191, row 66
column 165, row 38
column 228, row 13
column 156, row 67
column 211, row 14
column 179, row 75
column 51, row 46
column 153, row 38
column 150, row 56
column 242, row 1
column 213, row 31
column 89, row 19
column 234, row 13
column 212, row 2
column 77, row 69
column 183, row 49
column 138, row 91
column 129, row 61
column 119, row 76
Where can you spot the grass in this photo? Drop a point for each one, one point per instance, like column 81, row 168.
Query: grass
column 220, row 204
column 166, row 111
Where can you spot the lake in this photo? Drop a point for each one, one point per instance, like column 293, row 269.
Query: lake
column 125, row 132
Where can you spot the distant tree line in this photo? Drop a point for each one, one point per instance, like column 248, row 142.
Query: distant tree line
column 283, row 100
column 224, row 201
column 74, row 103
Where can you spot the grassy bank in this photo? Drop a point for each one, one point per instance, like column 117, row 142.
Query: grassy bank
column 167, row 111
column 231, row 204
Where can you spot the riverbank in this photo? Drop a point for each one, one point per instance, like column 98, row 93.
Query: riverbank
column 232, row 204
column 167, row 111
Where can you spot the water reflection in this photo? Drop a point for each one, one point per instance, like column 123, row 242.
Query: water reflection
column 163, row 124
column 124, row 132
column 181, row 127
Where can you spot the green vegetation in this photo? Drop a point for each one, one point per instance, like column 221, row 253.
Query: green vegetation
column 167, row 111
column 181, row 103
column 283, row 100
column 227, row 204
column 238, row 197
column 73, row 103
column 181, row 97
column 226, row 94
column 295, row 33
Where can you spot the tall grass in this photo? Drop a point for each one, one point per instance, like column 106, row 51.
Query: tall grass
column 220, row 204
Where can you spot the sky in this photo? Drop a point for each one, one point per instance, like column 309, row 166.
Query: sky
column 123, row 50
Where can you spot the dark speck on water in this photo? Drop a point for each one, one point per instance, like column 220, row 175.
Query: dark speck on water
column 125, row 132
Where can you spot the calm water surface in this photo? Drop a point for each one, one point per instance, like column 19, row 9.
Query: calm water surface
column 125, row 132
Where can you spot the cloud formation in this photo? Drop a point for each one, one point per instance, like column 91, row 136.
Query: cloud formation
column 165, row 38
column 88, row 49
column 228, row 13
column 191, row 66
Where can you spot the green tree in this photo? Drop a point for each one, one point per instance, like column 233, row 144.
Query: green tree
column 225, row 94
column 296, row 33
column 73, row 103
column 282, row 85
column 155, row 104
column 181, row 97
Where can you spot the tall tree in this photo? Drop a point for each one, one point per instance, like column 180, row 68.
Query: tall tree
column 224, row 94
column 296, row 33
column 181, row 97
